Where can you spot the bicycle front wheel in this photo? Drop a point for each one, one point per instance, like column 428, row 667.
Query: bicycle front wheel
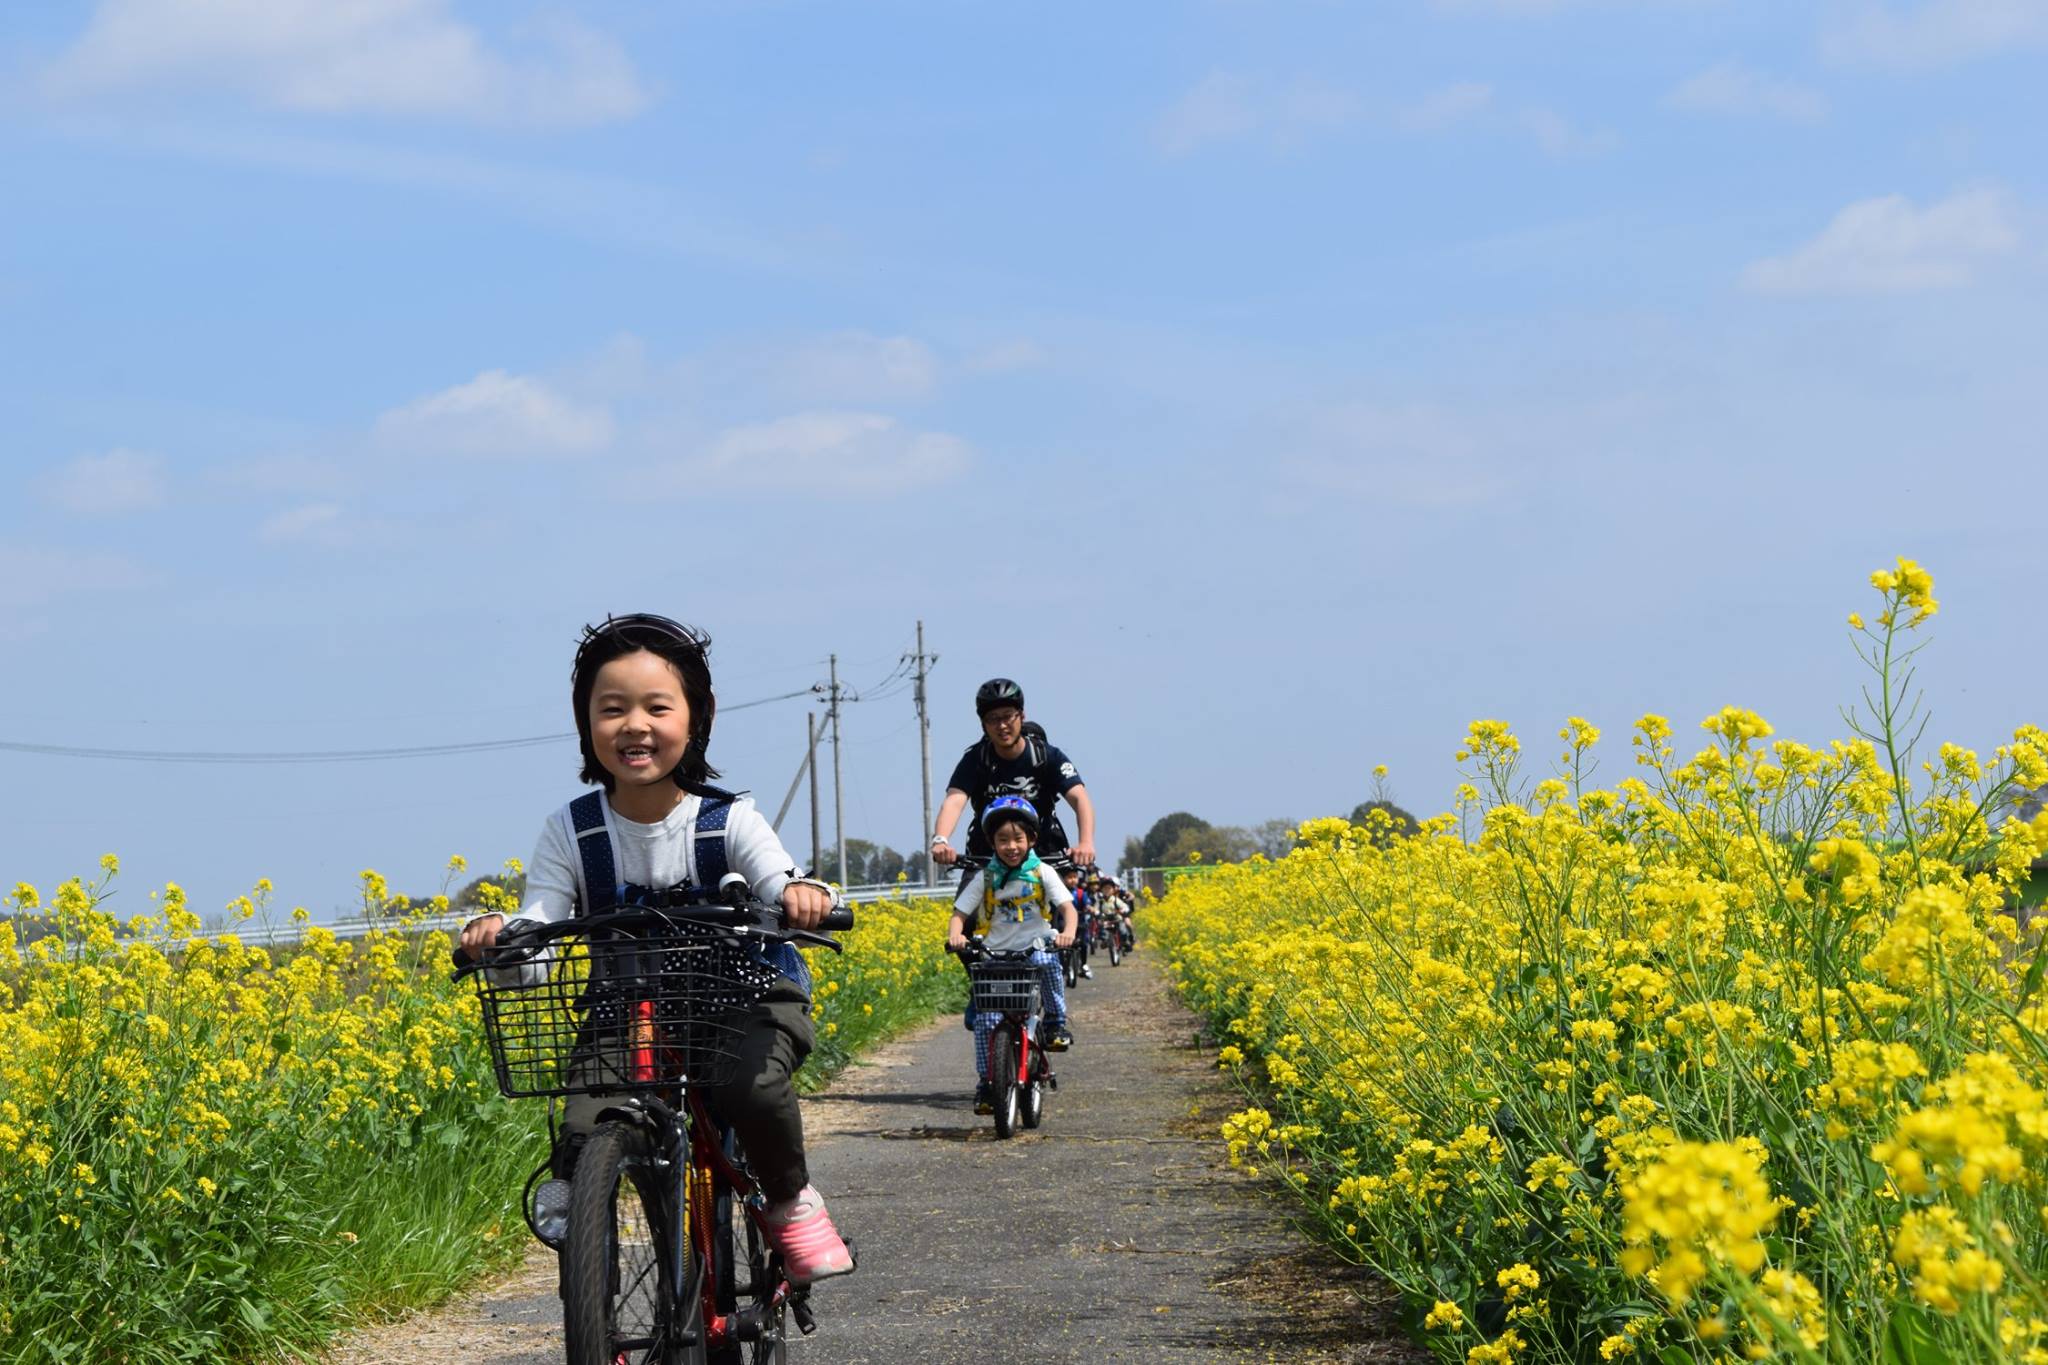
column 1002, row 1080
column 616, row 1259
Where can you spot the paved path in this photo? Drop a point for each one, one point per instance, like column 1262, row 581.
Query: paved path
column 1113, row 1233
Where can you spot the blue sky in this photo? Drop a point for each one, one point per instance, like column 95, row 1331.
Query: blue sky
column 1272, row 388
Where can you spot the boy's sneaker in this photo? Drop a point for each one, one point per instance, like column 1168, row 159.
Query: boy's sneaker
column 1058, row 1039
column 810, row 1246
column 1087, row 971
column 984, row 1099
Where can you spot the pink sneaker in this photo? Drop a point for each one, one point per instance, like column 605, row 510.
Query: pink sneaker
column 802, row 1231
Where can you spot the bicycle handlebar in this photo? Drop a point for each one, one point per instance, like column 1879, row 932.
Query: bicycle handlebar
column 739, row 910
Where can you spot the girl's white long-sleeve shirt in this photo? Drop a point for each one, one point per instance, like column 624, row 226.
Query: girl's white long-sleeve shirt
column 655, row 856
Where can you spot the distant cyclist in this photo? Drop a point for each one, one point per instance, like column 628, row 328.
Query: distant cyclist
column 1009, row 761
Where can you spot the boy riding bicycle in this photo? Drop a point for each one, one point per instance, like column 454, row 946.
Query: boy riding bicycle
column 641, row 688
column 1011, row 905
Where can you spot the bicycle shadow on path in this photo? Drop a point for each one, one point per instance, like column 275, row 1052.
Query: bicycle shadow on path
column 1115, row 1232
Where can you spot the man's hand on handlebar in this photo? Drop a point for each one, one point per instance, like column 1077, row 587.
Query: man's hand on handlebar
column 481, row 932
column 956, row 942
column 944, row 854
column 1065, row 940
column 1083, row 854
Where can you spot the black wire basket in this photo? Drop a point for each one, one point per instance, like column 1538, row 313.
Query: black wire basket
column 1006, row 987
column 595, row 1015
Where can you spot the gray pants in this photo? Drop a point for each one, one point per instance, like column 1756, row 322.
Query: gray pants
column 759, row 1104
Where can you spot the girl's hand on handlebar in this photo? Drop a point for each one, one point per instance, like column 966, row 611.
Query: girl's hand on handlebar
column 955, row 941
column 804, row 906
column 481, row 932
column 1065, row 940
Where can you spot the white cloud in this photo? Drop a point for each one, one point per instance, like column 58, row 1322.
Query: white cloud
column 824, row 453
column 1731, row 88
column 291, row 474
column 34, row 577
column 311, row 523
column 495, row 416
column 1558, row 136
column 109, row 484
column 1473, row 103
column 1227, row 107
column 1888, row 245
column 1937, row 32
column 858, row 367
column 1406, row 456
column 1005, row 357
column 409, row 57
column 1442, row 108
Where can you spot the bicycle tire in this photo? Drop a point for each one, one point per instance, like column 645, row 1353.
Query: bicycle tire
column 1002, row 1078
column 1116, row 950
column 613, row 1284
column 1031, row 1103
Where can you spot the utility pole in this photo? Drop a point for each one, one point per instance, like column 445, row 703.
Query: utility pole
column 924, row 748
column 838, row 787
column 811, row 738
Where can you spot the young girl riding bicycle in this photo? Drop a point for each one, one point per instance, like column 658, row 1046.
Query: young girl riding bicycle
column 1011, row 904
column 641, row 687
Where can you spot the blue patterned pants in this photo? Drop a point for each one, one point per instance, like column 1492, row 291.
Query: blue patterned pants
column 1053, row 993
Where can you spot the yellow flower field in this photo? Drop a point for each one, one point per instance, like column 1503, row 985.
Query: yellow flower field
column 213, row 1151
column 1741, row 1058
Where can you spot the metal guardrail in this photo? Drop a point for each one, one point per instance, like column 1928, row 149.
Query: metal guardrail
column 273, row 935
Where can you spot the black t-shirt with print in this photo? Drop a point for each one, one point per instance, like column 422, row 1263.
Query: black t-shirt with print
column 1041, row 775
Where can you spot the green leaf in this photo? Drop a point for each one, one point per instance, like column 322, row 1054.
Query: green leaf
column 2032, row 981
column 1910, row 1338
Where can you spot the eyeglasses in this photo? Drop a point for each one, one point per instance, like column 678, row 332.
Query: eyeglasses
column 1008, row 715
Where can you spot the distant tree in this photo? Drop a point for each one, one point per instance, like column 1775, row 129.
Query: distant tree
column 1134, row 853
column 1209, row 844
column 1402, row 823
column 1160, row 838
column 867, row 863
column 1275, row 838
column 883, row 865
column 858, row 851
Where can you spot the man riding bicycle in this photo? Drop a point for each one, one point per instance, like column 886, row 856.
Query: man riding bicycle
column 1010, row 761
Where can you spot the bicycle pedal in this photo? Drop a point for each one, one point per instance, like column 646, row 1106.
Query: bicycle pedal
column 800, row 1312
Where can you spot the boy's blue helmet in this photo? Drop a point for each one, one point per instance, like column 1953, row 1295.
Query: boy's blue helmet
column 1007, row 808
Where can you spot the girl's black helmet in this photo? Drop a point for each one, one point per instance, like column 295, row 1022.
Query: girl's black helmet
column 997, row 692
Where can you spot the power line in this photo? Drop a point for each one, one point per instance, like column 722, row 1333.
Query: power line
column 327, row 755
